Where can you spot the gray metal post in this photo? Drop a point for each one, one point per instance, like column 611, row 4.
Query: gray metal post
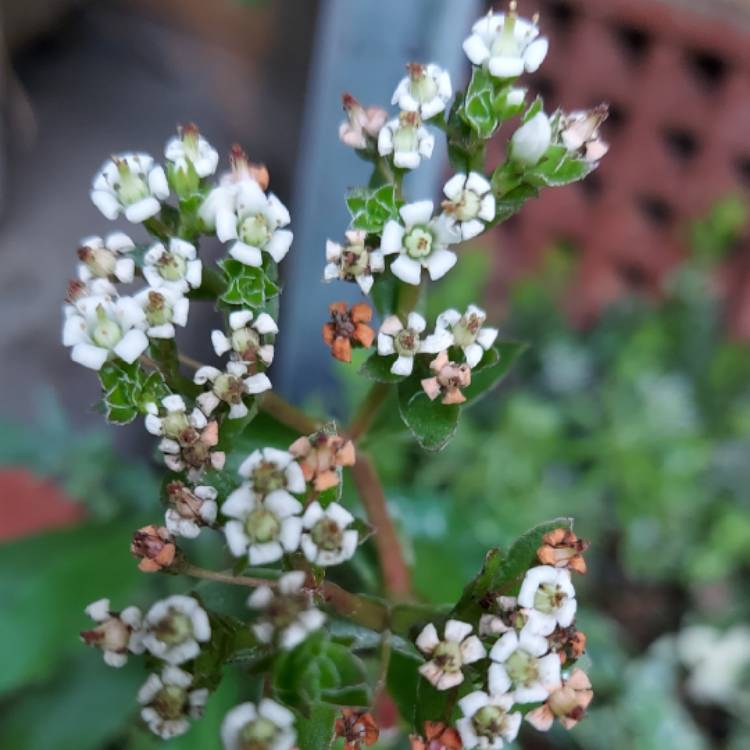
column 362, row 46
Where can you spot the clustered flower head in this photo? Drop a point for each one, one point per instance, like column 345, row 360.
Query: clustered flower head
column 527, row 663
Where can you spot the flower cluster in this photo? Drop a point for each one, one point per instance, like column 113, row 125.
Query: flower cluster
column 529, row 663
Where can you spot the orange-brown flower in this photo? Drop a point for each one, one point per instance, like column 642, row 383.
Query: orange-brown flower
column 357, row 728
column 569, row 643
column 155, row 548
column 449, row 379
column 561, row 548
column 437, row 736
column 348, row 327
column 243, row 168
column 319, row 455
column 568, row 703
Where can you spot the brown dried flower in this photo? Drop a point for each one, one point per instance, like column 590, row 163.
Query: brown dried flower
column 449, row 379
column 348, row 327
column 561, row 548
column 568, row 703
column 319, row 455
column 357, row 728
column 437, row 736
column 155, row 548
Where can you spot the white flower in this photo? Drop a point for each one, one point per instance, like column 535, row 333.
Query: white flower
column 468, row 332
column 106, row 258
column 470, row 203
column 262, row 529
column 487, row 722
column 395, row 338
column 353, row 261
column 421, row 242
column 177, row 268
column 530, row 142
column 270, row 470
column 519, row 667
column 448, row 656
column 175, row 627
column 579, row 133
column 269, row 726
column 164, row 309
column 407, row 139
column 130, row 184
column 229, row 387
column 191, row 509
column 548, row 593
column 246, row 336
column 169, row 703
column 326, row 540
column 427, row 90
column 98, row 327
column 255, row 222
column 176, row 420
column 506, row 44
column 361, row 123
column 286, row 615
column 116, row 633
column 190, row 147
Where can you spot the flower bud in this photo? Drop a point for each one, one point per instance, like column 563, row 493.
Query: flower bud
column 530, row 142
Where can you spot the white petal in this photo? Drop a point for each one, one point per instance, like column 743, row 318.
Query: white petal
column 89, row 356
column 279, row 244
column 486, row 337
column 239, row 502
column 312, row 514
column 506, row 66
column 339, row 514
column 473, row 354
column 472, row 650
column 535, row 53
column 246, row 254
column 392, row 239
column 428, row 640
column 131, row 345
column 403, row 365
column 142, row 210
column 439, row 262
column 281, row 503
column 290, row 533
column 237, row 540
column 385, row 345
column 504, row 647
column 455, row 630
column 264, row 323
column 258, row 383
column 260, row 554
column 407, row 269
column 475, row 49
column 498, row 681
column 220, row 343
column 473, row 702
column 406, row 159
column 454, row 187
column 419, row 212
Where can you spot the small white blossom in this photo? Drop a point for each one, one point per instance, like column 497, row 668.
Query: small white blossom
column 106, row 258
column 269, row 470
column 255, row 222
column 468, row 332
column 421, row 242
column 405, row 341
column 487, row 722
column 191, row 509
column 548, row 594
column 131, row 184
column 506, row 44
column 230, row 387
column 177, row 268
column 448, row 656
column 169, row 703
column 427, row 90
column 407, row 139
column 190, row 147
column 115, row 633
column 286, row 616
column 326, row 540
column 245, row 340
column 353, row 261
column 269, row 726
column 266, row 529
column 530, row 142
column 175, row 421
column 97, row 327
column 519, row 667
column 470, row 205
column 164, row 309
column 175, row 627
column 361, row 123
column 81, row 295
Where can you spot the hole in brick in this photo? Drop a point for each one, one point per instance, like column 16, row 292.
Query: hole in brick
column 709, row 69
column 742, row 167
column 632, row 273
column 617, row 118
column 655, row 209
column 681, row 143
column 591, row 187
column 634, row 42
column 560, row 14
column 546, row 88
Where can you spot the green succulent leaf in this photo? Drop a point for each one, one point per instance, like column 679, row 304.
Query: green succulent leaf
column 479, row 106
column 246, row 285
column 371, row 208
column 127, row 388
column 378, row 368
column 432, row 423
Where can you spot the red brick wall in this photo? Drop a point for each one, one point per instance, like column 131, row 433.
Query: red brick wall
column 678, row 83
